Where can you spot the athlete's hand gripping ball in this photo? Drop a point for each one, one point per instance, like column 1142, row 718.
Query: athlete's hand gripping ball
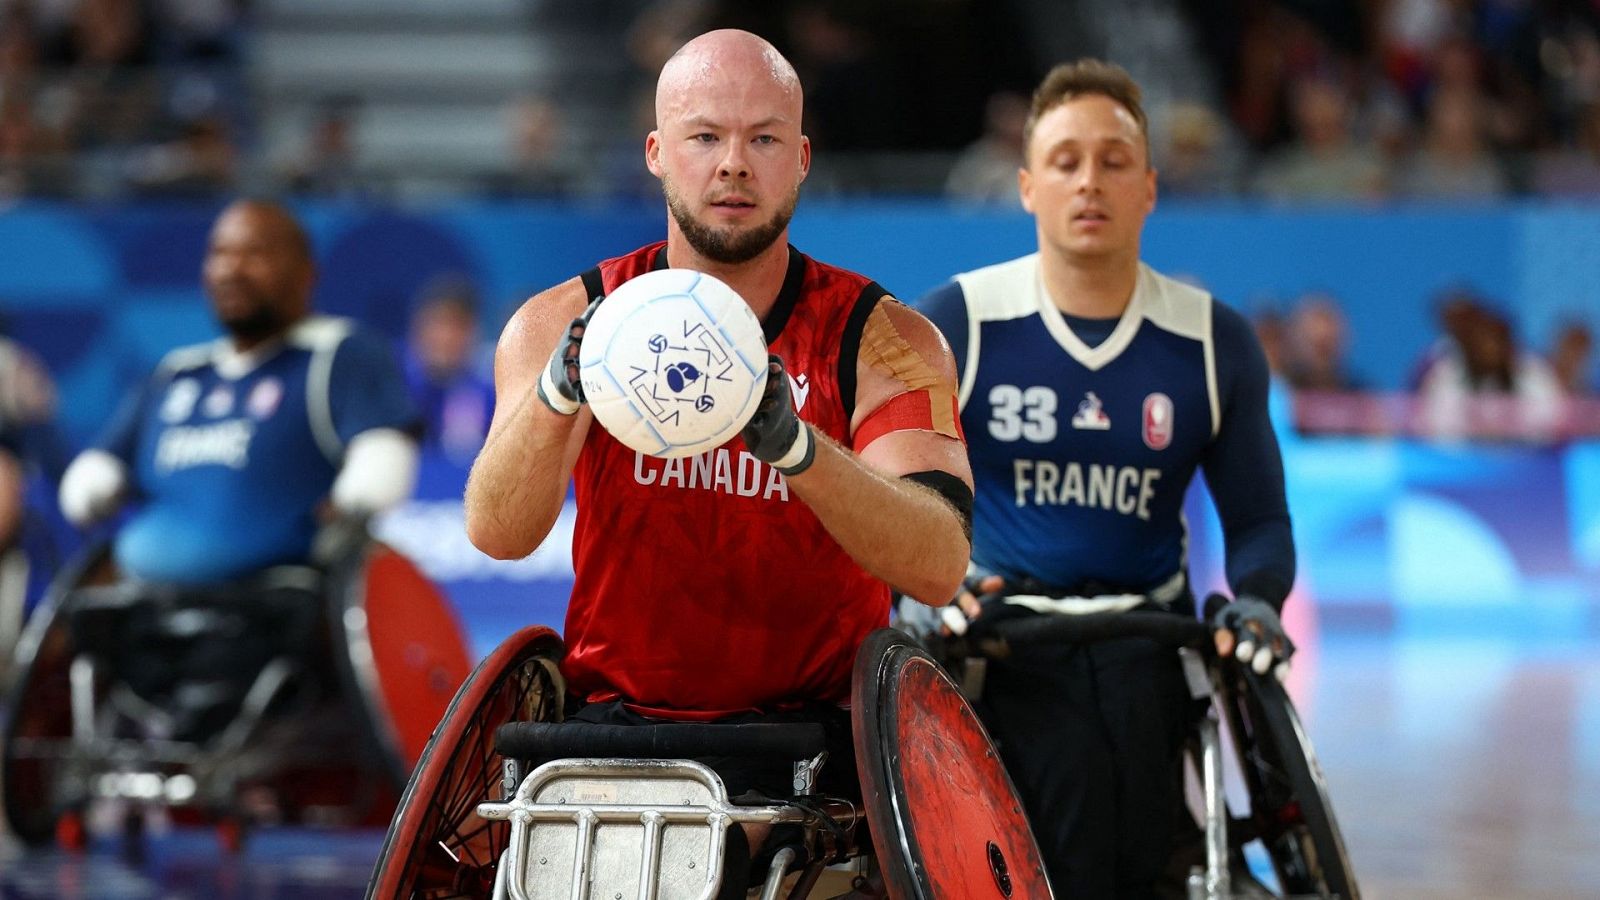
column 1250, row 630
column 775, row 435
column 559, row 386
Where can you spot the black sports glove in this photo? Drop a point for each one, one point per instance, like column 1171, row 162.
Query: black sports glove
column 559, row 386
column 1260, row 639
column 775, row 435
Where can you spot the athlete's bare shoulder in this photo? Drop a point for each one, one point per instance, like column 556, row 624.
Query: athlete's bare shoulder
column 900, row 351
column 530, row 335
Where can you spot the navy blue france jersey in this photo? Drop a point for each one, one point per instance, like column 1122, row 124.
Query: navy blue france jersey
column 1085, row 434
column 230, row 453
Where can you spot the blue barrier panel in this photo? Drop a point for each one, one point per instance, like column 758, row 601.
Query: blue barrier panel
column 1385, row 266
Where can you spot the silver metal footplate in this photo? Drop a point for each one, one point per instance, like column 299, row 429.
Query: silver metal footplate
column 620, row 829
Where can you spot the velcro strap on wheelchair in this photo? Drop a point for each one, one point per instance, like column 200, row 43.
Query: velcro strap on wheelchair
column 568, row 740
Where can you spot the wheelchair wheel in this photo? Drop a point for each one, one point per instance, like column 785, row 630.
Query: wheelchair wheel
column 437, row 848
column 1290, row 811
column 946, row 820
column 36, row 731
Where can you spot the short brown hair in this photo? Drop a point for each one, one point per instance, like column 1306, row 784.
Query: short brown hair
column 1086, row 77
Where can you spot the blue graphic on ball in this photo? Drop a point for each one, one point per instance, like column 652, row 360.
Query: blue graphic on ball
column 680, row 375
column 657, row 343
column 704, row 402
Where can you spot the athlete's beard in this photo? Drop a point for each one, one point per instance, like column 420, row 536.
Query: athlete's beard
column 727, row 245
column 263, row 321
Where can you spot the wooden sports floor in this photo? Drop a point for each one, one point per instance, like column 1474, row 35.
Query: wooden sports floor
column 1460, row 768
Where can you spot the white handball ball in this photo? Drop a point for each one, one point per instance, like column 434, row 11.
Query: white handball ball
column 673, row 363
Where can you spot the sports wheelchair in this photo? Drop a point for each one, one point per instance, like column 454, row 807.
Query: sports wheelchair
column 508, row 802
column 305, row 694
column 1289, row 813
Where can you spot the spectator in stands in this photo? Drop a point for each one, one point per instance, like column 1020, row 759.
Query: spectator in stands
column 109, row 34
column 1572, row 359
column 1572, row 171
column 986, row 171
column 198, row 30
column 1273, row 334
column 1454, row 162
column 1484, row 385
column 28, row 438
column 201, row 162
column 328, row 163
column 1314, row 357
column 542, row 160
column 1326, row 161
column 455, row 399
column 1195, row 159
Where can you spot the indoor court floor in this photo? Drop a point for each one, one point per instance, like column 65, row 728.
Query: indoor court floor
column 1460, row 768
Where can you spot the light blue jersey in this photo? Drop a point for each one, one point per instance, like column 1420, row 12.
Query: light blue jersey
column 231, row 453
column 1085, row 434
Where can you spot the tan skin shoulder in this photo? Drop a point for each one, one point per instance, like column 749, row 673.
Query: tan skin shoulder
column 902, row 351
column 530, row 337
column 878, row 377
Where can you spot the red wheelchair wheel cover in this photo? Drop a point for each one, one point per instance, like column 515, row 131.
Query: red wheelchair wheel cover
column 946, row 820
column 417, row 652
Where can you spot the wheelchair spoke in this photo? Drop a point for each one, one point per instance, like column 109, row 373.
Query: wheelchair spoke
column 457, row 850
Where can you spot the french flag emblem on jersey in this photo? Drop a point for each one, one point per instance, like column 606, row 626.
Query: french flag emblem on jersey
column 1157, row 421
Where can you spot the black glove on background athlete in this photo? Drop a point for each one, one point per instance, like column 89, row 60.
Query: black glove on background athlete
column 1256, row 631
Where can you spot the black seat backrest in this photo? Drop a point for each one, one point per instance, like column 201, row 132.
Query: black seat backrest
column 673, row 740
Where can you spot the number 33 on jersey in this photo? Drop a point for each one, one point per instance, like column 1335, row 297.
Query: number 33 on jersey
column 1083, row 431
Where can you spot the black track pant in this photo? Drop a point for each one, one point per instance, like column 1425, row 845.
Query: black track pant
column 1093, row 739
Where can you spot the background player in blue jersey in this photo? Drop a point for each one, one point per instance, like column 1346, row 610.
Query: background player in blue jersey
column 235, row 451
column 1091, row 389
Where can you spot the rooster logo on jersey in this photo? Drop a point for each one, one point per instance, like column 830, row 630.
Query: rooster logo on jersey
column 1090, row 416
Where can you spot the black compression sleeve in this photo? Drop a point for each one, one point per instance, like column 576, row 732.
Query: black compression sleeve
column 1244, row 469
column 951, row 489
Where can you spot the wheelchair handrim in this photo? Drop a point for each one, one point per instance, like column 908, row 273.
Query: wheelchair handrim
column 422, row 821
column 1292, row 765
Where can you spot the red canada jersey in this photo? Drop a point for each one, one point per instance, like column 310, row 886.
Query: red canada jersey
column 704, row 586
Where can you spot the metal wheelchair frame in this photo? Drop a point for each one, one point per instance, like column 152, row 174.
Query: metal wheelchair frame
column 1246, row 702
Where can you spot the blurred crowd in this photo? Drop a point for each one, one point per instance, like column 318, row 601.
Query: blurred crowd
column 1432, row 99
column 115, row 97
column 1475, row 380
column 1301, row 100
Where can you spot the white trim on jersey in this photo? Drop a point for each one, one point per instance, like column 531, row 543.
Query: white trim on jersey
column 1186, row 311
column 993, row 294
column 1092, row 358
column 1014, row 289
column 1162, row 594
column 322, row 335
column 192, row 356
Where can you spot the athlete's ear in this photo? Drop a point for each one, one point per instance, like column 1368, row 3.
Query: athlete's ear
column 652, row 153
column 1025, row 188
column 805, row 157
column 1150, row 186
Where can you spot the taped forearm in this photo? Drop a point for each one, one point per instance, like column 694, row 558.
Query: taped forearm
column 93, row 487
column 379, row 471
